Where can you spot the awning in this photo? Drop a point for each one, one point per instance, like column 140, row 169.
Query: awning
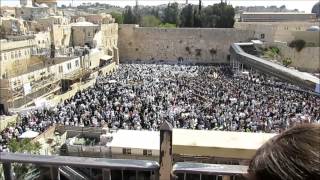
column 106, row 57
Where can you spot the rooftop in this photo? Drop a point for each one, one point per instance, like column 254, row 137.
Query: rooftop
column 80, row 24
column 278, row 13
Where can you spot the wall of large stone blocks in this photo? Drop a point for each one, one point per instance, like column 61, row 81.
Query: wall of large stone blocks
column 192, row 45
column 305, row 60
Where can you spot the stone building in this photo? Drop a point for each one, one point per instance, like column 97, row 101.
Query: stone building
column 49, row 3
column 13, row 26
column 275, row 31
column 6, row 11
column 46, row 23
column 38, row 79
column 32, row 13
column 83, row 34
column 276, row 16
column 14, row 56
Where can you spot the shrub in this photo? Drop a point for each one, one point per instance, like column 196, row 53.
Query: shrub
column 213, row 51
column 198, row 52
column 188, row 50
column 286, row 62
column 298, row 44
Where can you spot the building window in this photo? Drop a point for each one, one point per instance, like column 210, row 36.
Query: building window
column 262, row 36
column 5, row 56
column 77, row 63
column 60, row 69
column 147, row 152
column 69, row 66
column 0, row 57
column 126, row 151
column 12, row 55
column 89, row 34
column 19, row 54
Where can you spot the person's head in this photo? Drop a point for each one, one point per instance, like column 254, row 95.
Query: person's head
column 292, row 155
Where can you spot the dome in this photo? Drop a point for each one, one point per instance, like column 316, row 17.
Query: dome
column 314, row 28
column 316, row 9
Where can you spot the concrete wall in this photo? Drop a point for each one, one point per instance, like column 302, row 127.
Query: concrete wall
column 191, row 44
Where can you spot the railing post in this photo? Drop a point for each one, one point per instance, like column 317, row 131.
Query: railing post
column 7, row 170
column 54, row 173
column 166, row 156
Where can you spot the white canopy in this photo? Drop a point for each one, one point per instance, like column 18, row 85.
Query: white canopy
column 29, row 135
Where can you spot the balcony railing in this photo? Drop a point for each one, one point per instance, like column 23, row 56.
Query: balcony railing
column 120, row 168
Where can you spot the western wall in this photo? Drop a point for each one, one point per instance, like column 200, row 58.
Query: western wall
column 172, row 45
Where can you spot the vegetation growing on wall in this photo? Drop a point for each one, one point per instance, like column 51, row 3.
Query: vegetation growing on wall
column 271, row 52
column 298, row 44
column 188, row 50
column 198, row 52
column 286, row 61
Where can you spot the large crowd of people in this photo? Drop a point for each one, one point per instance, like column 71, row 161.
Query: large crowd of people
column 141, row 96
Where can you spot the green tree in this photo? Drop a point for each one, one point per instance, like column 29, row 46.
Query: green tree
column 128, row 16
column 150, row 21
column 118, row 17
column 24, row 171
column 225, row 15
column 187, row 16
column 171, row 13
column 209, row 17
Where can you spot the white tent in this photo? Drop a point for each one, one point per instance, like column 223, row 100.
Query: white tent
column 29, row 135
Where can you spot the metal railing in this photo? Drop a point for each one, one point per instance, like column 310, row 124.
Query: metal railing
column 71, row 167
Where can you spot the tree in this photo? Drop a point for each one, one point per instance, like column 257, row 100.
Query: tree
column 24, row 171
column 225, row 15
column 128, row 16
column 217, row 16
column 118, row 17
column 187, row 16
column 171, row 14
column 208, row 18
column 150, row 21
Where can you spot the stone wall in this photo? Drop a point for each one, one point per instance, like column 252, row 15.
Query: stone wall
column 189, row 45
column 275, row 31
column 308, row 59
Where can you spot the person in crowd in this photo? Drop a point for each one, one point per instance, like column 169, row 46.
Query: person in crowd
column 141, row 96
column 292, row 155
